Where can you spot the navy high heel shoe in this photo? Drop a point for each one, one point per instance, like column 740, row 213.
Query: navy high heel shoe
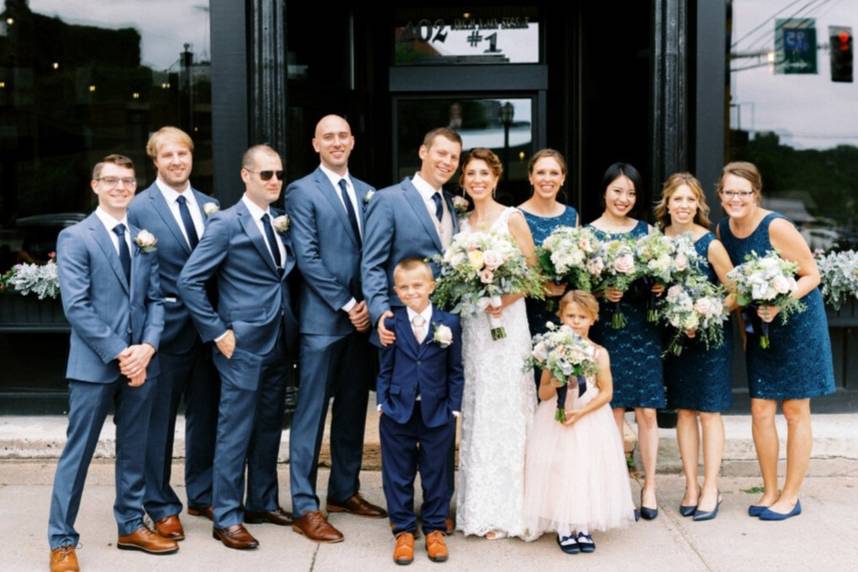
column 769, row 514
column 708, row 514
column 646, row 512
column 687, row 509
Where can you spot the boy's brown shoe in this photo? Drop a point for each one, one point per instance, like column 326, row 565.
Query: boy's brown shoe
column 436, row 546
column 403, row 552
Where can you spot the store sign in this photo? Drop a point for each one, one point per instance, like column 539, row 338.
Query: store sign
column 795, row 46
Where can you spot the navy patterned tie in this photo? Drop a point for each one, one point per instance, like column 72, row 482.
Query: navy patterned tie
column 190, row 229
column 124, row 253
column 272, row 240
column 439, row 210
column 350, row 209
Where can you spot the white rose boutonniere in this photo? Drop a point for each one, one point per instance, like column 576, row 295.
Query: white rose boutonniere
column 443, row 336
column 281, row 223
column 146, row 241
column 368, row 196
column 460, row 204
column 210, row 209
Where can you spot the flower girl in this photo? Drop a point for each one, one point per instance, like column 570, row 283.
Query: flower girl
column 576, row 475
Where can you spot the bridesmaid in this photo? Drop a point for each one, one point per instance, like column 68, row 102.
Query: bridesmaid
column 798, row 365
column 543, row 213
column 636, row 349
column 699, row 381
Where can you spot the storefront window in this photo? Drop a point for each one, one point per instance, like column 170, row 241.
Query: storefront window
column 792, row 112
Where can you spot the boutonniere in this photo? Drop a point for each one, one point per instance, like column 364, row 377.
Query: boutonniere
column 281, row 223
column 460, row 204
column 368, row 196
column 210, row 208
column 146, row 241
column 443, row 335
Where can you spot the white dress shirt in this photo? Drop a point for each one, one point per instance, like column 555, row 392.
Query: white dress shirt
column 445, row 227
column 171, row 195
column 110, row 223
column 350, row 191
column 256, row 213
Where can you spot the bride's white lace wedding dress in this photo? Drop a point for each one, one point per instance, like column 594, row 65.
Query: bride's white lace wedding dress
column 497, row 408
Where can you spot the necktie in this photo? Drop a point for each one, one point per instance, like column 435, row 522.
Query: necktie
column 439, row 210
column 124, row 253
column 418, row 326
column 272, row 240
column 350, row 210
column 190, row 229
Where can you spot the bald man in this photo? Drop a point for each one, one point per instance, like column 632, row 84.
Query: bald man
column 327, row 211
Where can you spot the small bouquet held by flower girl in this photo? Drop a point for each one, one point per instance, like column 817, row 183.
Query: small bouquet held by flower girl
column 695, row 309
column 570, row 255
column 477, row 269
column 766, row 281
column 564, row 354
column 620, row 269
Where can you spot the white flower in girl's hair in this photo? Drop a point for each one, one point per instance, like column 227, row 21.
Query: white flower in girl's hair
column 443, row 336
column 281, row 223
column 210, row 208
column 146, row 241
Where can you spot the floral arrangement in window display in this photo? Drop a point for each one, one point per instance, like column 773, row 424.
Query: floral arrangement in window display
column 839, row 274
column 38, row 279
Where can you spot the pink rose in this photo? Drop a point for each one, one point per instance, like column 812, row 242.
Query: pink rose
column 624, row 264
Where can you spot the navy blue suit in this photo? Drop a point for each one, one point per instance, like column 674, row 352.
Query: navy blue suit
column 335, row 359
column 253, row 301
column 186, row 370
column 107, row 313
column 416, row 435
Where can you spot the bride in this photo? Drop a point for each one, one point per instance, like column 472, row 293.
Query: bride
column 499, row 397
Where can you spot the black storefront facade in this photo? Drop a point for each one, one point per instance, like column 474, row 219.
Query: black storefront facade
column 652, row 83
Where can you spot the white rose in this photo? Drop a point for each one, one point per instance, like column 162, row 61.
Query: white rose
column 781, row 284
column 681, row 262
column 281, row 223
column 492, row 259
column 146, row 241
column 443, row 336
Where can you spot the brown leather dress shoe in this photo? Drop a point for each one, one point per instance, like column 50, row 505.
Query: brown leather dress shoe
column 436, row 546
column 64, row 559
column 235, row 536
column 316, row 527
column 403, row 552
column 170, row 527
column 357, row 505
column 204, row 511
column 147, row 541
column 279, row 517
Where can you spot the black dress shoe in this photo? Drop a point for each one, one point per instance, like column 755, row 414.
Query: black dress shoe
column 279, row 517
column 646, row 512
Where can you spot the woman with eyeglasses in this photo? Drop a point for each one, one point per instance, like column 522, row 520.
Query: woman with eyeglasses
column 636, row 348
column 699, row 382
column 798, row 364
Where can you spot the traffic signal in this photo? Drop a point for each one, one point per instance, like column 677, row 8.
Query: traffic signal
column 841, row 53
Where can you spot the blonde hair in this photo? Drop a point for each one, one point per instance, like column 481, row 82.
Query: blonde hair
column 743, row 170
column 584, row 299
column 168, row 133
column 410, row 265
column 673, row 182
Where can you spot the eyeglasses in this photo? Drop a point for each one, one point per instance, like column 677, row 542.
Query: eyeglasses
column 737, row 194
column 114, row 181
column 267, row 174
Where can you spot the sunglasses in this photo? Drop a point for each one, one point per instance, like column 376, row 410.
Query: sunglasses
column 266, row 175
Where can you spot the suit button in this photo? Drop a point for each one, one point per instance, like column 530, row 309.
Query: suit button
column 418, row 362
column 129, row 330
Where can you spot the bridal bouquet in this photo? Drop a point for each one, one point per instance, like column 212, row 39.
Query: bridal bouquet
column 696, row 307
column 664, row 260
column 839, row 273
column 766, row 281
column 619, row 270
column 564, row 354
column 571, row 255
column 477, row 269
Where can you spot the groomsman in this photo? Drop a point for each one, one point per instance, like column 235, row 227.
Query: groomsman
column 176, row 214
column 108, row 273
column 414, row 219
column 327, row 211
column 247, row 248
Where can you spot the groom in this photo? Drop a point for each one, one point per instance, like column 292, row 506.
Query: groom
column 414, row 219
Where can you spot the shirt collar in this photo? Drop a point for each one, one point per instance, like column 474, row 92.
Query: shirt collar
column 334, row 177
column 254, row 209
column 109, row 222
column 426, row 313
column 171, row 194
column 426, row 190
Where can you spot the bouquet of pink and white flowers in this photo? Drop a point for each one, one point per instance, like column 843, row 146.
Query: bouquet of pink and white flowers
column 766, row 281
column 694, row 308
column 664, row 260
column 570, row 255
column 477, row 269
column 619, row 270
column 564, row 354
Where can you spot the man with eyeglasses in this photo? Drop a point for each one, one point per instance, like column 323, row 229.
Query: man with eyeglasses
column 175, row 213
column 109, row 283
column 246, row 248
column 327, row 210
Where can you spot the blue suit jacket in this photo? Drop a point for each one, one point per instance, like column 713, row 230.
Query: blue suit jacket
column 253, row 298
column 149, row 210
column 398, row 226
column 408, row 367
column 106, row 313
column 327, row 252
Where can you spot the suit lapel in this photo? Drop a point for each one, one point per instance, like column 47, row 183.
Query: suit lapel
column 403, row 331
column 415, row 200
column 163, row 210
column 106, row 244
column 202, row 200
column 361, row 189
column 454, row 216
column 332, row 195
column 252, row 231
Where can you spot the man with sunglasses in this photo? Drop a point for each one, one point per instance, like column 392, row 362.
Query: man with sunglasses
column 327, row 210
column 247, row 249
column 175, row 213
